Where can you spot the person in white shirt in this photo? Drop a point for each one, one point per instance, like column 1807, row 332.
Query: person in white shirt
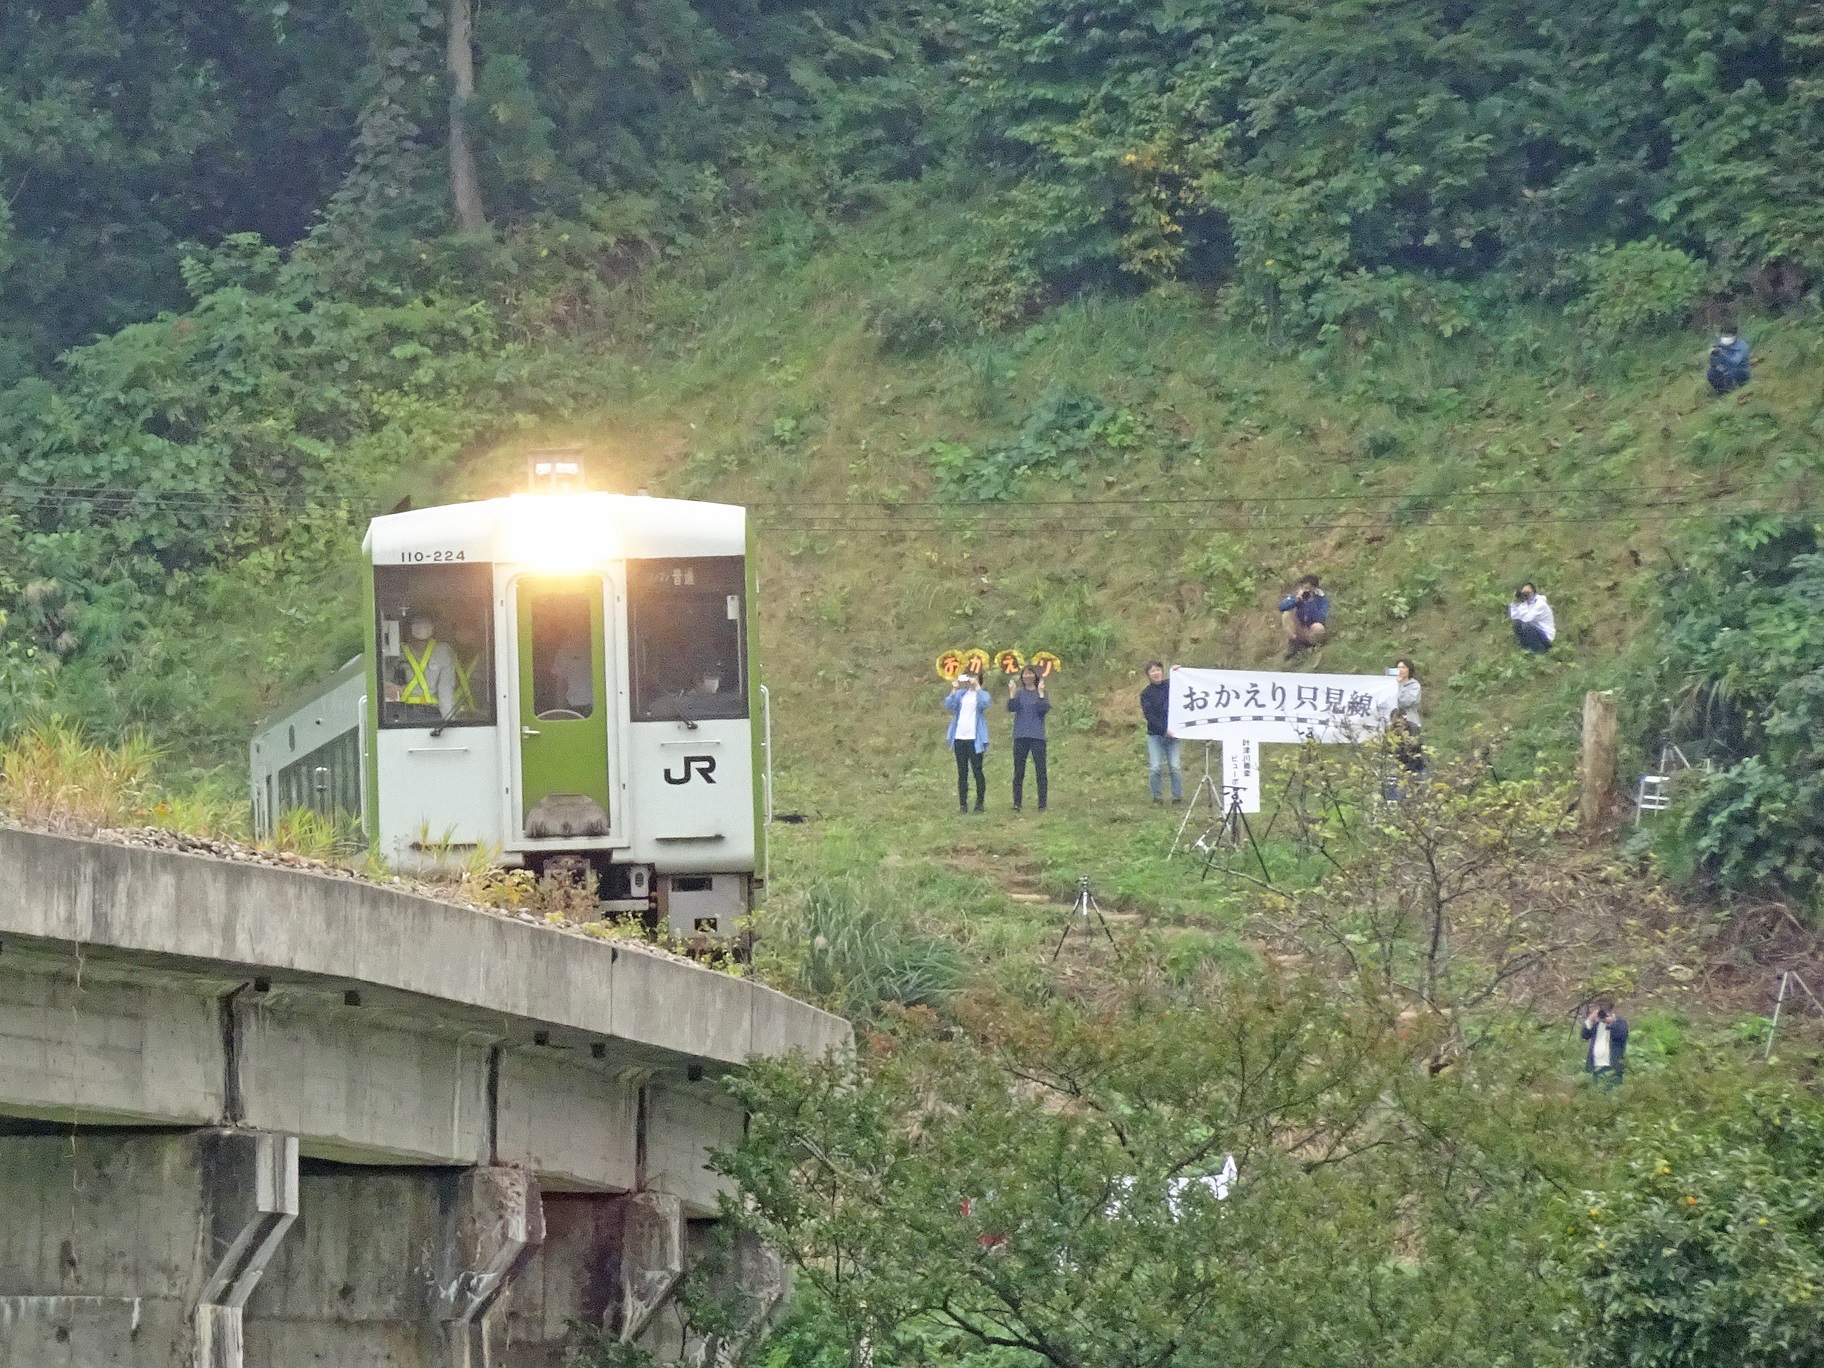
column 1607, row 1032
column 1534, row 628
column 968, row 704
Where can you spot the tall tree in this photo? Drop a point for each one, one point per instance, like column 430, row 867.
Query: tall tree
column 465, row 181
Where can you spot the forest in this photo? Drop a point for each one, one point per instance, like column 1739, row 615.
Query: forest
column 1414, row 292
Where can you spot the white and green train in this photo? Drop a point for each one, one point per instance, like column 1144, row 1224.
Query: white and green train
column 549, row 677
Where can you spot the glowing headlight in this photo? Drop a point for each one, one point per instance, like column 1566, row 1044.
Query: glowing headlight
column 557, row 532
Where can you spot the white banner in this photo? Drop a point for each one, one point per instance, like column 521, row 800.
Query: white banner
column 1267, row 706
column 1240, row 774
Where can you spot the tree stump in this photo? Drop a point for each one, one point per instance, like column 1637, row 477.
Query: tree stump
column 1601, row 750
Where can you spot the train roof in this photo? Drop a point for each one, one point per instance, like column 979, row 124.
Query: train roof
column 303, row 698
column 569, row 530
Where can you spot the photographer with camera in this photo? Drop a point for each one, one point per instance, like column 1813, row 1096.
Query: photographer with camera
column 1608, row 1037
column 968, row 703
column 1305, row 613
column 1534, row 627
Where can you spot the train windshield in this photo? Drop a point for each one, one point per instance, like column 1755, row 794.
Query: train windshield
column 687, row 638
column 436, row 645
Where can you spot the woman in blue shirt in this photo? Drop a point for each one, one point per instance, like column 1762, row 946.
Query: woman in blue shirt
column 968, row 703
column 1027, row 702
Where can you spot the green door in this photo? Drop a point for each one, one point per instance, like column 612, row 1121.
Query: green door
column 563, row 712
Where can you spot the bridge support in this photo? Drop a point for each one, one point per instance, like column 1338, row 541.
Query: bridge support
column 129, row 1248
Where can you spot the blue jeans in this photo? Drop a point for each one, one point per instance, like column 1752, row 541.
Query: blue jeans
column 1529, row 635
column 1160, row 752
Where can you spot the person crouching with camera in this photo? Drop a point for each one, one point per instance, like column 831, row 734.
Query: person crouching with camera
column 1305, row 614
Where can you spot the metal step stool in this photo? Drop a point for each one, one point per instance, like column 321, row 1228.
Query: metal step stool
column 1652, row 795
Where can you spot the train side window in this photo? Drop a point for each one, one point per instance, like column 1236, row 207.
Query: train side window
column 687, row 638
column 434, row 627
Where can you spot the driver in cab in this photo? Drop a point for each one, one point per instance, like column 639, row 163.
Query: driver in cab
column 424, row 680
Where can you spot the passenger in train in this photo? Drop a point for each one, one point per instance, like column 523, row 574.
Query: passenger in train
column 564, row 659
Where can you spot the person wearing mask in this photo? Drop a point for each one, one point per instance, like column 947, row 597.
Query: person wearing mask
column 1608, row 1036
column 1534, row 626
column 1027, row 702
column 426, row 675
column 1162, row 748
column 968, row 704
column 1728, row 367
column 1305, row 614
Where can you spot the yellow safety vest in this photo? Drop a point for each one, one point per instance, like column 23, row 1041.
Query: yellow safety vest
column 465, row 695
column 418, row 688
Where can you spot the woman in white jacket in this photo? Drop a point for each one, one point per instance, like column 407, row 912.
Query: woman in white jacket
column 1534, row 627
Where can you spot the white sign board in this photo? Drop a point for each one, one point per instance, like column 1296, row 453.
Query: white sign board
column 1240, row 774
column 1267, row 706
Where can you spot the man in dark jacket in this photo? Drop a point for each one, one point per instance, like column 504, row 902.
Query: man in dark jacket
column 1305, row 613
column 1161, row 746
column 1608, row 1037
column 1728, row 369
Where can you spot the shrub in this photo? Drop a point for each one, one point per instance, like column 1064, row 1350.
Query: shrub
column 1638, row 286
column 916, row 323
column 1708, row 1251
column 1743, row 653
column 853, row 942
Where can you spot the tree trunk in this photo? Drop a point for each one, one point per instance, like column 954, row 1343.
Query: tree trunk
column 465, row 185
column 1600, row 751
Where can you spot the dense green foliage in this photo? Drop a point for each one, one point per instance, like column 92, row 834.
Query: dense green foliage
column 1745, row 667
column 1708, row 1249
column 1037, row 1191
column 1342, row 159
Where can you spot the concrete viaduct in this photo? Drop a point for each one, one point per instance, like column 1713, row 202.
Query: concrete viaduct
column 252, row 1116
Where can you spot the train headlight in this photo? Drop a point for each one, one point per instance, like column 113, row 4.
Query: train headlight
column 560, row 533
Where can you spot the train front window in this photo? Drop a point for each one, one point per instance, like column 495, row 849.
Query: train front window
column 687, row 638
column 435, row 636
column 559, row 617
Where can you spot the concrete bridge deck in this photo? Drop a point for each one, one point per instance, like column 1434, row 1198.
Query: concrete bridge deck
column 342, row 1125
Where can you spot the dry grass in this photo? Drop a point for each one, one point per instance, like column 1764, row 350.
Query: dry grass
column 54, row 778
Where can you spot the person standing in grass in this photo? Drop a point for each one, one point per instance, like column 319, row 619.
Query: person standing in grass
column 1404, row 725
column 968, row 704
column 1534, row 625
column 1027, row 702
column 1607, row 1033
column 1161, row 746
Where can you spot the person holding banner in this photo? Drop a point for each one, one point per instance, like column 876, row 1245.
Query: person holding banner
column 1162, row 748
column 968, row 704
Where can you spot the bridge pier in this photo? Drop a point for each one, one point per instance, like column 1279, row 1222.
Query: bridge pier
column 252, row 1117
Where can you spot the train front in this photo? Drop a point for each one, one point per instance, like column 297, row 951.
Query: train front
column 566, row 678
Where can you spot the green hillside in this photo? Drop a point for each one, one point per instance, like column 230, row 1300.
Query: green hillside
column 1076, row 325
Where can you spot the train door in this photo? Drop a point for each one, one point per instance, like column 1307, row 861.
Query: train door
column 564, row 788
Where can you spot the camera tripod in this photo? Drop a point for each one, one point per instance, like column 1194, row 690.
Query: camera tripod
column 1081, row 911
column 1227, row 835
